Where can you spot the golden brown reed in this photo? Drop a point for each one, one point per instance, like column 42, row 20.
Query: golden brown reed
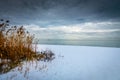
column 16, row 45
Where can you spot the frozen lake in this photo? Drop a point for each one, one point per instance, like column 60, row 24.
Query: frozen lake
column 72, row 63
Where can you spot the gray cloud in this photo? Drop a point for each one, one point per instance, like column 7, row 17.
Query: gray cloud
column 101, row 30
column 56, row 13
column 59, row 12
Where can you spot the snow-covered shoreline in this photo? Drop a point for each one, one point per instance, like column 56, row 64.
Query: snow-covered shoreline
column 77, row 63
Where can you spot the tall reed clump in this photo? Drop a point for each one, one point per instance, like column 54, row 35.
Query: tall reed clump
column 16, row 43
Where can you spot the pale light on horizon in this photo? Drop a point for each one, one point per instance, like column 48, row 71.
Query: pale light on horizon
column 76, row 31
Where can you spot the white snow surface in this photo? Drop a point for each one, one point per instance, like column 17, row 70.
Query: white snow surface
column 74, row 63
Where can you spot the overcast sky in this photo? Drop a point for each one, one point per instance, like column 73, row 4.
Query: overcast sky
column 65, row 19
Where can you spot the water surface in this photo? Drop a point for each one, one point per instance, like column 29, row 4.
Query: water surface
column 102, row 43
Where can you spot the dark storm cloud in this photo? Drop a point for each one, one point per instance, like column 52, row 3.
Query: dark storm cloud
column 59, row 12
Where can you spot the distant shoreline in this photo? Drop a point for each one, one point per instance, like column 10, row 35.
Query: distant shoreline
column 96, row 43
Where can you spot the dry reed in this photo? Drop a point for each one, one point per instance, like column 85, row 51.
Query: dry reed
column 16, row 45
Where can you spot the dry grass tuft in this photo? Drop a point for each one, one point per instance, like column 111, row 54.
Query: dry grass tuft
column 16, row 45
